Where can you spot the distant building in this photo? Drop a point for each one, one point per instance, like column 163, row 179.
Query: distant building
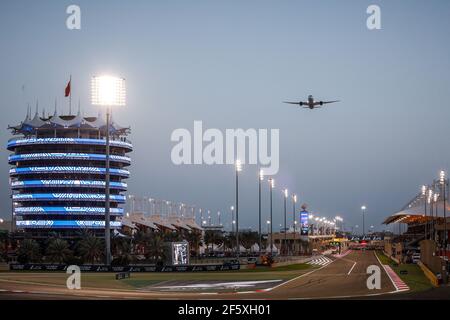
column 58, row 171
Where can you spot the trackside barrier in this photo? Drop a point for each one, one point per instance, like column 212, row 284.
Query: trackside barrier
column 429, row 274
column 119, row 269
column 123, row 275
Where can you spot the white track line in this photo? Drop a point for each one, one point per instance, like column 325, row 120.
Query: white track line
column 351, row 269
column 390, row 278
column 300, row 276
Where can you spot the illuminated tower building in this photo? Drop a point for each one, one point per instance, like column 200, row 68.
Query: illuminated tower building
column 57, row 177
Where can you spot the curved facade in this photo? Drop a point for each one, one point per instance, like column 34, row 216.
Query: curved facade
column 58, row 171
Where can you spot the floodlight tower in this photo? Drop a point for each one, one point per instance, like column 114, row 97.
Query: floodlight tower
column 107, row 91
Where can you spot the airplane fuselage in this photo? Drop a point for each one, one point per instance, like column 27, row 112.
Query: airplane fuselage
column 311, row 102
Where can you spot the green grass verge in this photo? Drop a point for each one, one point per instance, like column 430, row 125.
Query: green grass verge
column 415, row 278
column 140, row 280
column 291, row 267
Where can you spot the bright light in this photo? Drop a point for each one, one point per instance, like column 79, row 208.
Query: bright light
column 424, row 190
column 232, row 208
column 442, row 176
column 435, row 197
column 261, row 174
column 238, row 165
column 108, row 91
column 317, row 219
column 363, row 208
column 295, row 198
column 286, row 193
column 310, row 216
column 1, row 220
column 234, row 221
column 268, row 221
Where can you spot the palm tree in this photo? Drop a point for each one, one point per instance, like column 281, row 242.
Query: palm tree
column 58, row 250
column 155, row 248
column 91, row 248
column 29, row 251
column 229, row 241
column 248, row 238
column 209, row 238
column 194, row 238
column 121, row 249
column 213, row 237
column 4, row 237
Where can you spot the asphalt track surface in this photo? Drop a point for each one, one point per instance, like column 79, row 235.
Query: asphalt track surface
column 342, row 278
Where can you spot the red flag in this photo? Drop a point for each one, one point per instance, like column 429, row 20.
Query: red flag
column 67, row 91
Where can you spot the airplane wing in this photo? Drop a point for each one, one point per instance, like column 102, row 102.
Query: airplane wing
column 290, row 102
column 325, row 102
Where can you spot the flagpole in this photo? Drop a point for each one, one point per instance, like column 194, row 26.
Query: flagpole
column 70, row 96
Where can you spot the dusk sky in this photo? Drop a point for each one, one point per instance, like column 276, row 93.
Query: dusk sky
column 231, row 64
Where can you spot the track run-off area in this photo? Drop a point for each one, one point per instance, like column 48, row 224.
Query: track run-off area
column 327, row 277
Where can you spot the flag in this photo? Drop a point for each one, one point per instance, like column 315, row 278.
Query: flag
column 67, row 91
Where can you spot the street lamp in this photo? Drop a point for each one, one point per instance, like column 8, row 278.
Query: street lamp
column 107, row 91
column 238, row 168
column 271, row 185
column 363, row 209
column 294, row 201
column 261, row 178
column 430, row 203
column 424, row 193
column 232, row 218
column 286, row 194
column 443, row 183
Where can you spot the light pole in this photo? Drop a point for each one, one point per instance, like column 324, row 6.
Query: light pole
column 443, row 183
column 107, row 91
column 435, row 205
column 430, row 203
column 285, row 192
column 261, row 178
column 232, row 218
column 424, row 192
column 294, row 201
column 238, row 168
column 271, row 186
column 363, row 209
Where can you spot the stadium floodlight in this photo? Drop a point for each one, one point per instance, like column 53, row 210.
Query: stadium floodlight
column 271, row 185
column 260, row 180
column 238, row 165
column 424, row 190
column 238, row 168
column 363, row 209
column 107, row 91
column 284, row 246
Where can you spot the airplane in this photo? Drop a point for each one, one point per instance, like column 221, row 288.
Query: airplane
column 311, row 103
